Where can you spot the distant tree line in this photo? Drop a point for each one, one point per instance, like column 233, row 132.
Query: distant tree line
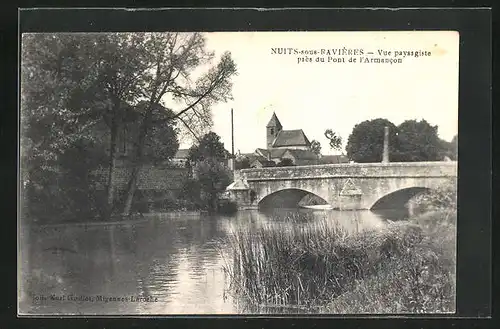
column 411, row 141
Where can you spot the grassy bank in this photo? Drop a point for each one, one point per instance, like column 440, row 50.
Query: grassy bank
column 407, row 267
column 419, row 279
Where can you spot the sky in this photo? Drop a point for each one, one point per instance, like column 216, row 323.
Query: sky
column 315, row 96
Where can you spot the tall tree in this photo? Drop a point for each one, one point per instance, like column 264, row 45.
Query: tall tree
column 419, row 141
column 210, row 146
column 59, row 102
column 121, row 80
column 211, row 176
column 174, row 58
column 316, row 147
column 366, row 141
column 454, row 147
column 71, row 82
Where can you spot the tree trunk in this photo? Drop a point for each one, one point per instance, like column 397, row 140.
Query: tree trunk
column 137, row 164
column 146, row 123
column 132, row 187
column 112, row 160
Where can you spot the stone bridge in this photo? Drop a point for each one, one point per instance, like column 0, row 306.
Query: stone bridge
column 342, row 186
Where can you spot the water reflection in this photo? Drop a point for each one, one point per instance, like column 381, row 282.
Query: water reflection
column 176, row 260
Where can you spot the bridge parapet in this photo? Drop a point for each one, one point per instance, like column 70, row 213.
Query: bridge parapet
column 352, row 170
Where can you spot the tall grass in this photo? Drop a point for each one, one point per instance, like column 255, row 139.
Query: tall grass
column 407, row 267
column 310, row 264
column 273, row 264
column 420, row 279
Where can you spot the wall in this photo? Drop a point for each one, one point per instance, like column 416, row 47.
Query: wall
column 393, row 169
column 150, row 178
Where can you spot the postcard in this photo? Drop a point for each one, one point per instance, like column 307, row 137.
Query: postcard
column 268, row 172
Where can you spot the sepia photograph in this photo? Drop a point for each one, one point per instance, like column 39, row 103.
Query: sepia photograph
column 233, row 173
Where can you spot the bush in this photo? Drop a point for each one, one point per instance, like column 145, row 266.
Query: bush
column 64, row 190
column 227, row 207
column 442, row 198
column 421, row 279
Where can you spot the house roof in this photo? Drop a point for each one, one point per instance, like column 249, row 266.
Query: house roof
column 272, row 153
column 328, row 159
column 302, row 154
column 252, row 157
column 291, row 138
column 305, row 162
column 263, row 161
column 274, row 122
column 181, row 154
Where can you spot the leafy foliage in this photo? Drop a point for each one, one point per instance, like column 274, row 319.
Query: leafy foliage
column 316, row 147
column 335, row 141
column 243, row 163
column 60, row 102
column 161, row 141
column 418, row 141
column 366, row 142
column 286, row 162
column 73, row 83
column 450, row 149
column 210, row 146
column 211, row 176
column 442, row 198
column 68, row 192
column 411, row 141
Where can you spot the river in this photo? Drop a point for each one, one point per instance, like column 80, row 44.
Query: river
column 164, row 264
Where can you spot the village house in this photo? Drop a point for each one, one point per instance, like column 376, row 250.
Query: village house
column 157, row 177
column 180, row 158
column 287, row 144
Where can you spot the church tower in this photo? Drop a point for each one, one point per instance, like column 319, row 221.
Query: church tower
column 272, row 129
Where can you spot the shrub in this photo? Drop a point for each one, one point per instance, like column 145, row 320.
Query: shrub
column 442, row 198
column 227, row 207
column 421, row 279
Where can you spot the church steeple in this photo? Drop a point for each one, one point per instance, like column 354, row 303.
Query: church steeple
column 272, row 130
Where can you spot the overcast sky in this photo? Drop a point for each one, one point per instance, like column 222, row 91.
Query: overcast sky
column 317, row 96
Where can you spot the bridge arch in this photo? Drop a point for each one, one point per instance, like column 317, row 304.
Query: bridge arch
column 288, row 198
column 399, row 198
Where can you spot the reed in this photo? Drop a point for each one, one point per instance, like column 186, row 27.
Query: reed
column 318, row 266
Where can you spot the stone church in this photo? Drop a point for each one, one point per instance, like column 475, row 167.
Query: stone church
column 282, row 144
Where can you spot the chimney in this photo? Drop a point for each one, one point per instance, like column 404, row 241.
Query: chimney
column 385, row 155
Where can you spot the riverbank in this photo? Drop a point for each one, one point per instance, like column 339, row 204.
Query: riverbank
column 406, row 267
column 134, row 219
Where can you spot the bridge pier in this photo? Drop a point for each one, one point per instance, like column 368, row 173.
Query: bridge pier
column 349, row 202
column 241, row 194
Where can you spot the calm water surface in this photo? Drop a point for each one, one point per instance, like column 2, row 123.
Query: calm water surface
column 173, row 261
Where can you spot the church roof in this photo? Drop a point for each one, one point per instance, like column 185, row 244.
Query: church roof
column 274, row 122
column 291, row 138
